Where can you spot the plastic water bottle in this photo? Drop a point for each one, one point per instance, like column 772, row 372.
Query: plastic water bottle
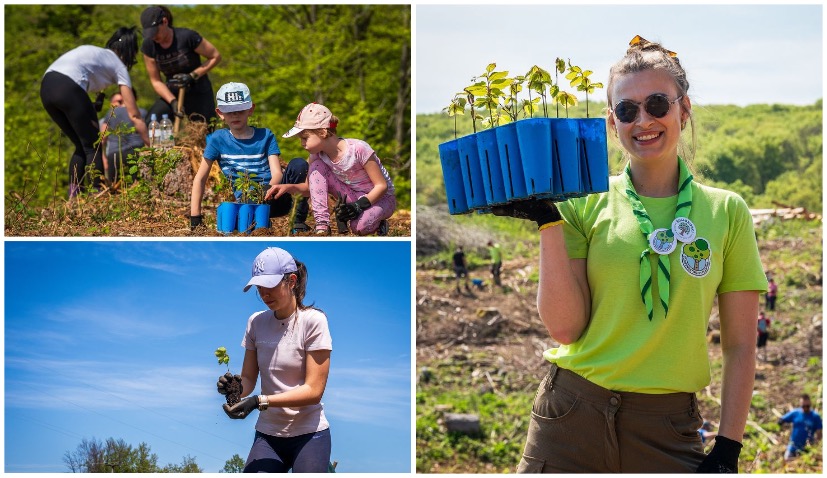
column 154, row 131
column 167, row 141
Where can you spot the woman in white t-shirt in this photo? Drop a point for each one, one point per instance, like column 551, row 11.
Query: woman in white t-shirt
column 64, row 92
column 289, row 346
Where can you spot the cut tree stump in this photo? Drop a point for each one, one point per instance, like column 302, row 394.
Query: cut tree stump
column 465, row 423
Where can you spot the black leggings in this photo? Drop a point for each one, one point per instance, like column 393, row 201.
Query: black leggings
column 196, row 103
column 70, row 107
column 295, row 173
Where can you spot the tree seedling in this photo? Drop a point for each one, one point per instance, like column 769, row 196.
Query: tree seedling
column 233, row 394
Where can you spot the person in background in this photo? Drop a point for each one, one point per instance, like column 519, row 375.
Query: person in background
column 64, row 92
column 806, row 427
column 118, row 149
column 289, row 346
column 496, row 261
column 176, row 52
column 460, row 268
column 772, row 293
column 707, row 435
column 763, row 333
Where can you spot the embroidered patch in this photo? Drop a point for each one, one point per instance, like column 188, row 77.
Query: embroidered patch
column 696, row 257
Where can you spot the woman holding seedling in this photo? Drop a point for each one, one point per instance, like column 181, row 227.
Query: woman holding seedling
column 289, row 345
column 64, row 92
column 627, row 282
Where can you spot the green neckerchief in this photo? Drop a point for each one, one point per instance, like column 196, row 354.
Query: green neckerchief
column 646, row 228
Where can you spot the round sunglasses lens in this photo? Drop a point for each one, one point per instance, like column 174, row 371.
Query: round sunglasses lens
column 657, row 105
column 626, row 111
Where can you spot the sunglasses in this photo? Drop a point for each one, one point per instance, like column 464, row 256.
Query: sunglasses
column 656, row 105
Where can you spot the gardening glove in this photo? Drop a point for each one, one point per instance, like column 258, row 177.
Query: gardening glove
column 174, row 105
column 341, row 223
column 541, row 211
column 99, row 101
column 243, row 408
column 352, row 210
column 723, row 458
column 183, row 80
column 225, row 380
column 196, row 221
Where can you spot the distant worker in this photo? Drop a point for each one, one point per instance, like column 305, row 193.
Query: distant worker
column 707, row 435
column 772, row 293
column 763, row 332
column 461, row 268
column 806, row 427
column 496, row 261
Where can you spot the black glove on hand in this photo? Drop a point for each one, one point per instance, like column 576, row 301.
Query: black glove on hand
column 196, row 221
column 341, row 222
column 225, row 380
column 174, row 105
column 183, row 80
column 99, row 101
column 541, row 211
column 723, row 458
column 243, row 408
column 352, row 210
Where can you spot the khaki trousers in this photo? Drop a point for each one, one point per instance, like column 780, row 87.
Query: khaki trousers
column 579, row 427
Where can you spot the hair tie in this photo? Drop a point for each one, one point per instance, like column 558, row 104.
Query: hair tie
column 641, row 42
column 333, row 124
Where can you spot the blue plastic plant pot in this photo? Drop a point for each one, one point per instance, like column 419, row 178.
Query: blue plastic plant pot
column 565, row 134
column 227, row 217
column 469, row 162
column 511, row 162
column 594, row 155
column 452, row 177
column 534, row 136
column 492, row 175
column 262, row 216
column 246, row 218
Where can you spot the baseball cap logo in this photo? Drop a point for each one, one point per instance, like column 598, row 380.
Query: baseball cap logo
column 258, row 267
column 231, row 96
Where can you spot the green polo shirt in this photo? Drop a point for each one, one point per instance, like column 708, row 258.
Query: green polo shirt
column 621, row 349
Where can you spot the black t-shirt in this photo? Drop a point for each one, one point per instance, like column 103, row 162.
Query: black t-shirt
column 180, row 57
column 459, row 259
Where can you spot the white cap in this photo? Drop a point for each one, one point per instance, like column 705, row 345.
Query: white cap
column 233, row 97
column 270, row 267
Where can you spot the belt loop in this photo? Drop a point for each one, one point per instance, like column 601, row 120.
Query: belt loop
column 552, row 374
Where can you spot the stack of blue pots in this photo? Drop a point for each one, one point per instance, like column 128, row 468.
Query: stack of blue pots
column 233, row 216
column 552, row 158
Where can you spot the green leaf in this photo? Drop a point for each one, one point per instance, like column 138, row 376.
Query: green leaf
column 490, row 67
column 571, row 75
column 587, row 73
column 497, row 75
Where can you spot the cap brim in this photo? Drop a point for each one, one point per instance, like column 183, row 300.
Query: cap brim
column 269, row 281
column 233, row 108
column 293, row 132
column 150, row 32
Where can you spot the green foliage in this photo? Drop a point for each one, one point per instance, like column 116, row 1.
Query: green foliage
column 233, row 465
column 353, row 58
column 252, row 192
column 223, row 358
column 117, row 456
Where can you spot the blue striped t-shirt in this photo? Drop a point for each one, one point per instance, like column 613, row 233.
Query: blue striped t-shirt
column 236, row 156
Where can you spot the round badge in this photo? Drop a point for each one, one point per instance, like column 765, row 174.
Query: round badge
column 696, row 257
column 683, row 229
column 662, row 241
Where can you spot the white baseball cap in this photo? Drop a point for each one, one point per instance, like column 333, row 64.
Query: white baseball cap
column 233, row 97
column 270, row 267
column 312, row 116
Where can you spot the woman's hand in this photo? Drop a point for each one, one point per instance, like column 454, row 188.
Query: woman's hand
column 243, row 408
column 541, row 211
column 225, row 381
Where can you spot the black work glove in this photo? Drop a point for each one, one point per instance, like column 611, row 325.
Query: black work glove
column 225, row 380
column 99, row 101
column 196, row 221
column 352, row 210
column 541, row 211
column 341, row 223
column 182, row 80
column 243, row 408
column 174, row 105
column 723, row 458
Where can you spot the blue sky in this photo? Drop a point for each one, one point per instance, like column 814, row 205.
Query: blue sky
column 734, row 54
column 116, row 339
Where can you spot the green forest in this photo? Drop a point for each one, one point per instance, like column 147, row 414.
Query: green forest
column 766, row 153
column 355, row 59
